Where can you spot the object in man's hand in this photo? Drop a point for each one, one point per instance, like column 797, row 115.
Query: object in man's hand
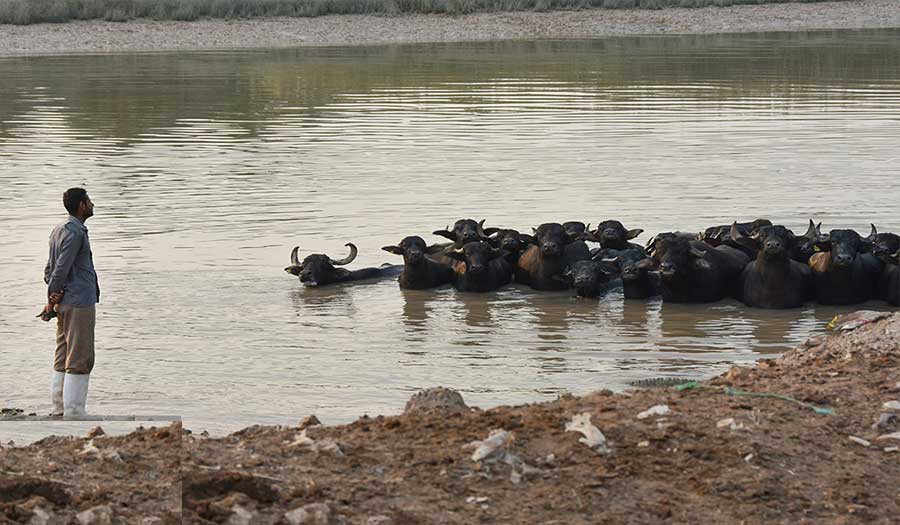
column 44, row 315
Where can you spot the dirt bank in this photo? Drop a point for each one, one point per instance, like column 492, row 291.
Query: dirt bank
column 143, row 35
column 718, row 456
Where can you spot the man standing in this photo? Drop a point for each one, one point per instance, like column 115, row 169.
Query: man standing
column 73, row 291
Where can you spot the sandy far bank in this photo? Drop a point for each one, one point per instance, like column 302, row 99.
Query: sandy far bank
column 810, row 437
column 145, row 35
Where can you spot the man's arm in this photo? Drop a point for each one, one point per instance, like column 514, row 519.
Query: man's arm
column 68, row 249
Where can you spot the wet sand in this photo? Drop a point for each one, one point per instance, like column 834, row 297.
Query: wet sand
column 147, row 35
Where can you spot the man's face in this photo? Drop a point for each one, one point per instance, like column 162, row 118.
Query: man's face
column 87, row 208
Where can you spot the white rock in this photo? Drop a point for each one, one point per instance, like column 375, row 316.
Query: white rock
column 41, row 516
column 240, row 516
column 593, row 437
column 892, row 405
column 895, row 435
column 656, row 410
column 643, row 444
column 99, row 515
column 730, row 424
column 312, row 514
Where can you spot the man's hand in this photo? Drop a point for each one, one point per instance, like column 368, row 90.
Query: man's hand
column 47, row 313
column 55, row 298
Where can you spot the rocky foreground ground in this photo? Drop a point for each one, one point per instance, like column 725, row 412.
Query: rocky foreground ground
column 714, row 452
column 339, row 30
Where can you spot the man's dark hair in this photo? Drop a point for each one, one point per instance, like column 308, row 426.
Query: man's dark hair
column 72, row 198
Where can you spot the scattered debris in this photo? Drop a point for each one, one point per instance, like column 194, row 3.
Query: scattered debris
column 894, row 435
column 593, row 437
column 325, row 445
column 852, row 321
column 96, row 431
column 656, row 410
column 99, row 515
column 312, row 514
column 892, row 405
column 643, row 444
column 309, row 421
column 477, row 499
column 860, row 441
column 731, row 424
column 885, row 420
column 494, row 445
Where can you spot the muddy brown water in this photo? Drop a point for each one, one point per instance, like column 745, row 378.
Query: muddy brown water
column 207, row 167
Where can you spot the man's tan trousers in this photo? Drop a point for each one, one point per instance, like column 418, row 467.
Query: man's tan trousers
column 75, row 339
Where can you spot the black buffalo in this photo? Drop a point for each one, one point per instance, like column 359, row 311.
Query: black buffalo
column 510, row 241
column 546, row 259
column 773, row 279
column 890, row 282
column 420, row 272
column 464, row 231
column 640, row 279
column 692, row 271
column 884, row 244
column 613, row 235
column 319, row 270
column 481, row 268
column 718, row 235
column 844, row 273
column 577, row 250
column 592, row 278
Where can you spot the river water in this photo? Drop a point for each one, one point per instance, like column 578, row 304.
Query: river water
column 206, row 168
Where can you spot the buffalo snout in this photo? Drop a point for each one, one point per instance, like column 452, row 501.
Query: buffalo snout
column 550, row 249
column 843, row 260
column 667, row 268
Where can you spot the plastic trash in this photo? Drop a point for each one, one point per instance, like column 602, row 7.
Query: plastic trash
column 593, row 438
column 730, row 424
column 494, row 445
column 325, row 445
column 860, row 441
column 894, row 435
column 852, row 321
column 892, row 405
column 656, row 410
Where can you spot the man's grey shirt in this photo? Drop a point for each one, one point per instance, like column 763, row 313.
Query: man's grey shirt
column 71, row 265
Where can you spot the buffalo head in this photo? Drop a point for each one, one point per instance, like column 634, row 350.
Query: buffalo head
column 612, row 234
column 318, row 269
column 465, row 231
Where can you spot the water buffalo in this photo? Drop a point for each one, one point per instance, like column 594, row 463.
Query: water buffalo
column 545, row 260
column 890, row 281
column 577, row 250
column 319, row 270
column 884, row 243
column 717, row 235
column 481, row 268
column 843, row 272
column 592, row 278
column 510, row 241
column 692, row 271
column 805, row 245
column 419, row 272
column 640, row 279
column 464, row 231
column 612, row 234
column 773, row 279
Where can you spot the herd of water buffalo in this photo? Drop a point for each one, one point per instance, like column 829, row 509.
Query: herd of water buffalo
column 761, row 264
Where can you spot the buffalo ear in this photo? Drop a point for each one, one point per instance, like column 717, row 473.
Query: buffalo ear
column 528, row 238
column 396, row 250
column 446, row 234
column 491, row 231
column 631, row 234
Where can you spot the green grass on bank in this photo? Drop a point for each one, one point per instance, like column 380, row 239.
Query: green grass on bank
column 37, row 11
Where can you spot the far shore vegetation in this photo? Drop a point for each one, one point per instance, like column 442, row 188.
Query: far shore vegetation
column 38, row 11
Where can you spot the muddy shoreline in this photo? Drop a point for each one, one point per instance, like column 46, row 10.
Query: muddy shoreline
column 84, row 37
column 826, row 449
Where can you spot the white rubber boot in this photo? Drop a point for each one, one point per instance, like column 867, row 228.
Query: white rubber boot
column 56, row 393
column 75, row 391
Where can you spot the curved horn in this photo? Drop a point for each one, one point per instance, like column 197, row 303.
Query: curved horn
column 480, row 230
column 735, row 232
column 294, row 259
column 348, row 259
column 874, row 232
